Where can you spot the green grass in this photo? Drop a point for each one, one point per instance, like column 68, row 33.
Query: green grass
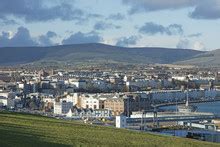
column 28, row 130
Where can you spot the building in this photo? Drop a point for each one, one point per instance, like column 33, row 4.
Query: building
column 89, row 101
column 3, row 101
column 136, row 102
column 104, row 113
column 116, row 105
column 73, row 97
column 121, row 121
column 78, row 83
column 7, row 99
column 127, row 104
column 62, row 107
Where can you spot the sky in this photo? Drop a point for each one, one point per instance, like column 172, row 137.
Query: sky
column 185, row 24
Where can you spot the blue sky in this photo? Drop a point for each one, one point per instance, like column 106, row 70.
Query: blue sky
column 183, row 24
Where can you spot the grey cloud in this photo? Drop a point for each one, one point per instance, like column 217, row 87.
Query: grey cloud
column 37, row 10
column 51, row 34
column 21, row 38
column 194, row 35
column 154, row 5
column 80, row 38
column 103, row 26
column 87, row 17
column 183, row 44
column 206, row 9
column 93, row 15
column 6, row 21
column 45, row 40
column 174, row 29
column 201, row 9
column 153, row 28
column 117, row 16
column 127, row 41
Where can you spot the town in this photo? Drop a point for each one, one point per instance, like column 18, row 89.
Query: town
column 109, row 73
column 106, row 97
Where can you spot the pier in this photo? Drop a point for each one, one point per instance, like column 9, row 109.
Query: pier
column 157, row 117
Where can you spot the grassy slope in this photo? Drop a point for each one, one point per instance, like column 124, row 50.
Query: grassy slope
column 205, row 59
column 28, row 130
column 92, row 53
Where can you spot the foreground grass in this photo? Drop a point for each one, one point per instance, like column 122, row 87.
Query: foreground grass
column 28, row 130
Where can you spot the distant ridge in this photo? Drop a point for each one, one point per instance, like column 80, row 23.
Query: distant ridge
column 207, row 59
column 93, row 53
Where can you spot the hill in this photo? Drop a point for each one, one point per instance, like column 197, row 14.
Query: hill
column 209, row 59
column 93, row 53
column 29, row 130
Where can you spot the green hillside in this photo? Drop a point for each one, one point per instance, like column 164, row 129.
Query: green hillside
column 93, row 53
column 28, row 130
column 208, row 59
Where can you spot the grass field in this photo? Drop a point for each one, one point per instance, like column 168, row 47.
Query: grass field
column 28, row 130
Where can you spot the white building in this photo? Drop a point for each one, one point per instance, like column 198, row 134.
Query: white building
column 3, row 101
column 7, row 99
column 78, row 83
column 106, row 113
column 62, row 107
column 89, row 101
column 171, row 95
column 142, row 83
column 180, row 78
column 74, row 98
column 121, row 121
column 178, row 95
column 8, row 102
column 48, row 99
column 8, row 94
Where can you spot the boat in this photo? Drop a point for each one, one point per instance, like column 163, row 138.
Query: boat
column 187, row 108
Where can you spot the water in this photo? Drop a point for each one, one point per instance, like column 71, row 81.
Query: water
column 212, row 107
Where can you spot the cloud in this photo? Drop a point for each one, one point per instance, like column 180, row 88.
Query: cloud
column 195, row 35
column 201, row 9
column 206, row 10
column 199, row 46
column 94, row 15
column 155, row 5
column 45, row 40
column 183, row 44
column 187, row 44
column 6, row 21
column 39, row 10
column 101, row 25
column 80, row 38
column 151, row 28
column 21, row 38
column 87, row 17
column 127, row 41
column 117, row 16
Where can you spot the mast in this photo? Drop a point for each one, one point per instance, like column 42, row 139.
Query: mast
column 187, row 98
column 187, row 93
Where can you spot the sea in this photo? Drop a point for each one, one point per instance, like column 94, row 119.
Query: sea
column 212, row 107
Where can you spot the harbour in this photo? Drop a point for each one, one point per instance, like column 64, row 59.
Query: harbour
column 210, row 107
